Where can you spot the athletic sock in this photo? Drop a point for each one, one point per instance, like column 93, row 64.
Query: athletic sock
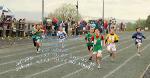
column 110, row 54
column 99, row 66
column 90, row 58
column 37, row 49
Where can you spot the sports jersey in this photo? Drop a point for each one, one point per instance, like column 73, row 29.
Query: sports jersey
column 88, row 38
column 61, row 35
column 38, row 35
column 111, row 38
column 97, row 42
column 33, row 35
column 138, row 36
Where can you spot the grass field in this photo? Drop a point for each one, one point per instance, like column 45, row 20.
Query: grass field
column 23, row 62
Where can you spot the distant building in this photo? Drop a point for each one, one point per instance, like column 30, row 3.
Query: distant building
column 6, row 11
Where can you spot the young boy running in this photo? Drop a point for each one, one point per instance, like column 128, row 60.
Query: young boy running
column 138, row 36
column 97, row 47
column 34, row 35
column 111, row 40
column 89, row 42
column 61, row 36
column 38, row 37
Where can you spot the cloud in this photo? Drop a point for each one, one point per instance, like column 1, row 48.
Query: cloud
column 122, row 9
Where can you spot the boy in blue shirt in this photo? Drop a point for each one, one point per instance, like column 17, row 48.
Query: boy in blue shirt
column 138, row 36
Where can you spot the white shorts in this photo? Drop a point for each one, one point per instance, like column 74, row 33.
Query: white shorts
column 61, row 40
column 139, row 44
column 38, row 40
column 99, row 51
column 43, row 36
column 111, row 47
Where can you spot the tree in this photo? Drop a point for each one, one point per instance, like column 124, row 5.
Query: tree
column 148, row 22
column 141, row 23
column 66, row 12
column 131, row 26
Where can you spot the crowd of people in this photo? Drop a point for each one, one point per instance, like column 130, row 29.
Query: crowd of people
column 103, row 25
column 10, row 26
column 82, row 26
column 19, row 27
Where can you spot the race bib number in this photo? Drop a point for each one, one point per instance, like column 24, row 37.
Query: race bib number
column 112, row 38
column 138, row 36
column 38, row 37
column 43, row 36
column 61, row 37
column 138, row 40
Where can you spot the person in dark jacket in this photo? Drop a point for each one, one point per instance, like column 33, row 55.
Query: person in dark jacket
column 138, row 37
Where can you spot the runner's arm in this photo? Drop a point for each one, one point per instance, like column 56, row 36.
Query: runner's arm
column 92, row 39
column 143, row 36
column 116, row 38
column 86, row 39
column 65, row 34
column 134, row 36
column 106, row 39
column 103, row 40
column 58, row 34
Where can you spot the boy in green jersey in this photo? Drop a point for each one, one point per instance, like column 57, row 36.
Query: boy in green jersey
column 38, row 37
column 97, row 38
column 89, row 42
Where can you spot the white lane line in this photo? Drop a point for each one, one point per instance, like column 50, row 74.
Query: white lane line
column 7, row 71
column 28, row 56
column 77, row 71
column 39, row 55
column 24, row 52
column 15, row 54
column 20, row 53
column 14, row 50
column 61, row 65
column 49, row 69
column 31, row 48
column 145, row 71
column 70, row 39
column 124, row 63
column 29, row 45
column 32, row 56
column 70, row 74
column 9, row 62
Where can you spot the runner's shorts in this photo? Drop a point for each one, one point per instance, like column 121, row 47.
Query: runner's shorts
column 99, row 51
column 111, row 47
column 61, row 40
column 138, row 42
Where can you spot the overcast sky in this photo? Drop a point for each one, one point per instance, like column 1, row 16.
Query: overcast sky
column 121, row 9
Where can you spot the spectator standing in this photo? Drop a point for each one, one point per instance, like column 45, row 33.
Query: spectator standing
column 66, row 27
column 2, row 17
column 14, row 29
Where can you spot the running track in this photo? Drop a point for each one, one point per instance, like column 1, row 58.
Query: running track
column 72, row 63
